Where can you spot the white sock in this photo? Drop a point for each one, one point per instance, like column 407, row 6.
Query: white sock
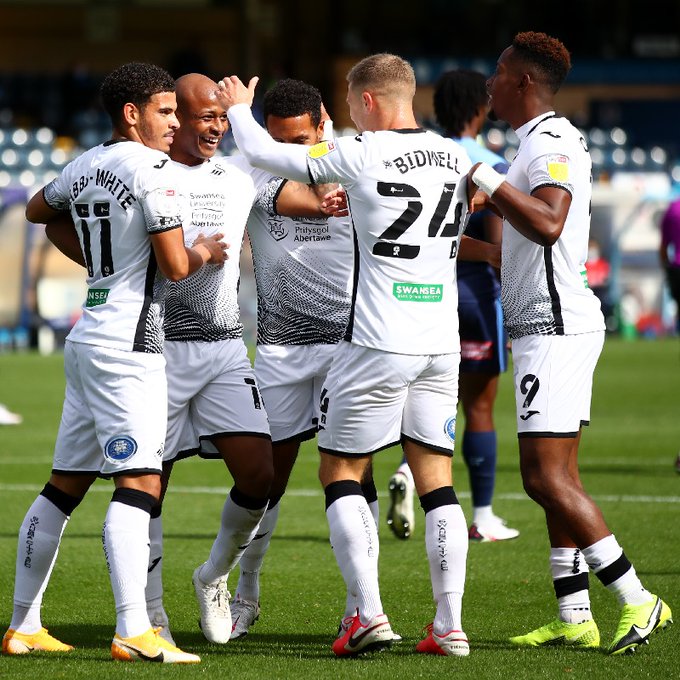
column 481, row 514
column 126, row 548
column 39, row 538
column 405, row 470
column 446, row 541
column 568, row 563
column 239, row 526
column 626, row 586
column 154, row 575
column 374, row 507
column 251, row 561
column 355, row 543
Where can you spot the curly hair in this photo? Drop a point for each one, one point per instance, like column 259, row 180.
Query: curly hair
column 290, row 98
column 133, row 83
column 384, row 74
column 547, row 54
column 458, row 95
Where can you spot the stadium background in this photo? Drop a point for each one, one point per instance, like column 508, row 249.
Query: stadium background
column 624, row 92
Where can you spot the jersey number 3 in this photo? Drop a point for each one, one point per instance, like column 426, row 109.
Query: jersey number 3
column 386, row 247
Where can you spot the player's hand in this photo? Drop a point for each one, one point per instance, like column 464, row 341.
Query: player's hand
column 232, row 91
column 217, row 249
column 335, row 203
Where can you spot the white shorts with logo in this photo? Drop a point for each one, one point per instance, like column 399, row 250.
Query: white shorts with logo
column 371, row 399
column 554, row 382
column 115, row 411
column 212, row 391
column 290, row 379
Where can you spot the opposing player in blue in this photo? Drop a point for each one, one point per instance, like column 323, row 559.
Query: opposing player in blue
column 461, row 107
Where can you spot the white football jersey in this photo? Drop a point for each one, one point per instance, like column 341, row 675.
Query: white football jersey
column 544, row 289
column 302, row 271
column 118, row 193
column 220, row 193
column 407, row 198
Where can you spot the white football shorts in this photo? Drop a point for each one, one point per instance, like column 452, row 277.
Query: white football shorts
column 115, row 411
column 554, row 382
column 212, row 391
column 290, row 379
column 371, row 399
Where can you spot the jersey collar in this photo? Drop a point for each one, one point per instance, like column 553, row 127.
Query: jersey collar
column 525, row 130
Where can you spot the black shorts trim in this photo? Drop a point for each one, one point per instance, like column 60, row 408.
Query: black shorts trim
column 183, row 455
column 76, row 473
column 547, row 435
column 347, row 454
column 436, row 449
column 300, row 437
column 216, row 455
column 136, row 471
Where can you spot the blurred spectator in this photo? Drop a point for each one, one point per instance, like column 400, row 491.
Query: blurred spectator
column 598, row 271
column 669, row 252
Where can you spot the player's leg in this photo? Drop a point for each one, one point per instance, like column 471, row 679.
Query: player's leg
column 39, row 538
column 400, row 488
column 361, row 406
column 428, row 429
column 483, row 357
column 154, row 578
column 75, row 467
column 127, row 393
column 245, row 607
column 550, row 475
column 184, row 361
column 354, row 539
column 286, row 377
column 249, row 460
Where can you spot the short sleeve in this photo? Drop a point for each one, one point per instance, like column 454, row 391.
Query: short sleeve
column 338, row 160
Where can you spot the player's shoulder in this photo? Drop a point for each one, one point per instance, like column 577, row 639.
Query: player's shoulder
column 556, row 131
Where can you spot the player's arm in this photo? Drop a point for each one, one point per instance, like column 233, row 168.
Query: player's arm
column 539, row 217
column 62, row 233
column 59, row 227
column 38, row 210
column 284, row 160
column 475, row 250
column 176, row 261
column 305, row 200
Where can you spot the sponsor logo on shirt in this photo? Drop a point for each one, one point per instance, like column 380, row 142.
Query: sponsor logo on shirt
column 418, row 292
column 321, row 149
column 558, row 168
column 96, row 296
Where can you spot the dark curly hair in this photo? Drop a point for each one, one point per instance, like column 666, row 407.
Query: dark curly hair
column 290, row 98
column 458, row 95
column 547, row 54
column 133, row 83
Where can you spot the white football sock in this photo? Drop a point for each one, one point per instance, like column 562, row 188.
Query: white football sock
column 627, row 586
column 126, row 548
column 251, row 561
column 564, row 564
column 355, row 543
column 481, row 514
column 446, row 541
column 239, row 526
column 39, row 538
column 154, row 576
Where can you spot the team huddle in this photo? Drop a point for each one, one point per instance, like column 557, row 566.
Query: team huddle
column 355, row 245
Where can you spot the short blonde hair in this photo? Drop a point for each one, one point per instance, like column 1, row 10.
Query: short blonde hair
column 384, row 74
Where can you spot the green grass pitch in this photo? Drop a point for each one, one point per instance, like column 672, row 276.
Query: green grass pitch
column 627, row 465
